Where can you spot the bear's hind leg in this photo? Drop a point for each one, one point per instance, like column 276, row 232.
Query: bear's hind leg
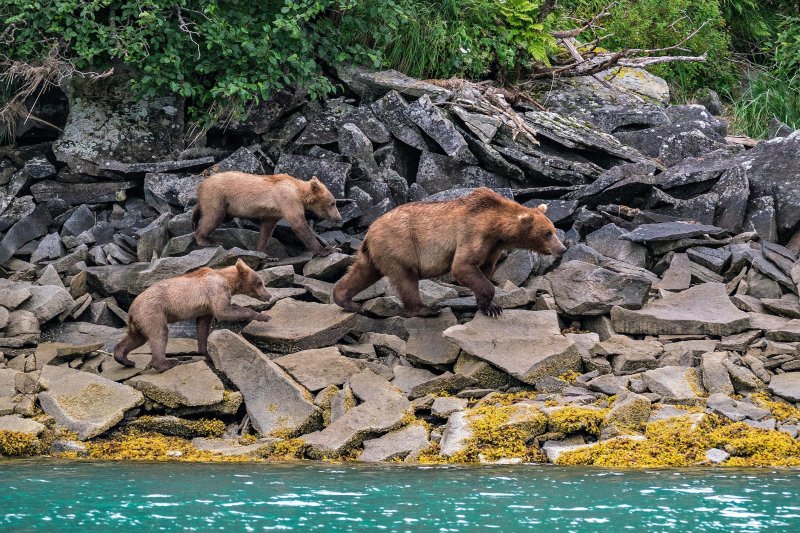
column 360, row 276
column 209, row 220
column 406, row 283
column 129, row 342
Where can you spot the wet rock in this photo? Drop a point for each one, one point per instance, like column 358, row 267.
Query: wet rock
column 675, row 384
column 701, row 310
column 187, row 385
column 399, row 444
column 85, row 403
column 786, row 386
column 106, row 123
column 275, row 402
column 426, row 345
column 505, row 343
column 320, row 368
column 583, row 289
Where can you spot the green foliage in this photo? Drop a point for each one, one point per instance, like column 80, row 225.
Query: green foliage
column 754, row 23
column 774, row 92
column 651, row 24
column 223, row 53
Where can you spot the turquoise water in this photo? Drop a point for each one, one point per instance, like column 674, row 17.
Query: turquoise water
column 81, row 496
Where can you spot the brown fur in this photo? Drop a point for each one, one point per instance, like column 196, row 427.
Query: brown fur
column 464, row 236
column 266, row 198
column 204, row 294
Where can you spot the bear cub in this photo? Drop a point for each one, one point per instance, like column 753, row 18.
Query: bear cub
column 267, row 199
column 204, row 294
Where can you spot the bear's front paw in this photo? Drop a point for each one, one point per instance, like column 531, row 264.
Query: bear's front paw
column 491, row 310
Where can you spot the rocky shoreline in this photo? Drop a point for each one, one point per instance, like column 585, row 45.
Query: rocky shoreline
column 667, row 335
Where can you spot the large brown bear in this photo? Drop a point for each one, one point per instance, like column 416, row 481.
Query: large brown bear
column 465, row 236
column 204, row 294
column 266, row 198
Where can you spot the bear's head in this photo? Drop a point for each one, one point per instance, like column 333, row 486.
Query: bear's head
column 321, row 202
column 537, row 233
column 249, row 282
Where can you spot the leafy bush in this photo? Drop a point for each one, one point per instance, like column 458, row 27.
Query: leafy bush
column 219, row 53
column 654, row 24
column 774, row 92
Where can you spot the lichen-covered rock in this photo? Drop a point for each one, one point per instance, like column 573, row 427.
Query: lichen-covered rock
column 187, row 385
column 399, row 444
column 85, row 403
column 506, row 343
column 106, row 123
column 276, row 403
column 675, row 384
column 297, row 326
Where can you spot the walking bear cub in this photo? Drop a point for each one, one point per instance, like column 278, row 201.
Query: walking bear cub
column 204, row 294
column 266, row 198
column 465, row 236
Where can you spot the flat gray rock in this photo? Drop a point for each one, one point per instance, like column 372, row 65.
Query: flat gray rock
column 715, row 374
column 186, row 385
column 85, row 403
column 17, row 424
column 319, row 368
column 47, row 302
column 426, row 345
column 607, row 241
column 786, row 386
column 408, row 377
column 328, row 268
column 670, row 231
column 526, row 344
column 276, row 403
column 297, row 326
column 701, row 310
column 398, row 444
column 456, row 435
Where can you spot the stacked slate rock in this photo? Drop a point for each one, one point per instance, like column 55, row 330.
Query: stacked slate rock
column 680, row 287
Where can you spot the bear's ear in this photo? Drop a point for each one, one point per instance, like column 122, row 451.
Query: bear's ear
column 316, row 185
column 543, row 208
column 241, row 267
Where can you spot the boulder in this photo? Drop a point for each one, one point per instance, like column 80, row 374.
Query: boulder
column 297, row 326
column 432, row 121
column 276, row 403
column 426, row 345
column 17, row 424
column 607, row 241
column 526, row 344
column 456, row 435
column 187, row 385
column 675, row 384
column 408, row 377
column 85, row 403
column 319, row 368
column 330, row 172
column 581, row 288
column 701, row 310
column 715, row 374
column 328, row 268
column 106, row 123
column 399, row 444
column 47, row 302
column 444, row 406
column 30, row 227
